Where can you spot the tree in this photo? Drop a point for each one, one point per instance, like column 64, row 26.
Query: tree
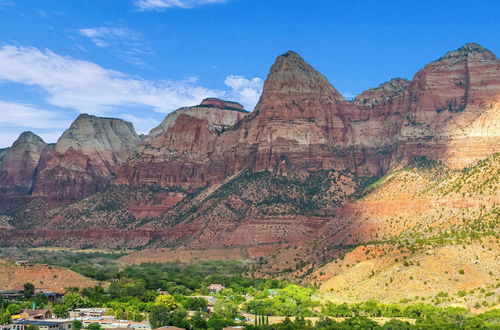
column 32, row 327
column 60, row 310
column 74, row 300
column 119, row 314
column 159, row 316
column 5, row 318
column 195, row 304
column 76, row 325
column 138, row 317
column 198, row 321
column 227, row 309
column 94, row 326
column 29, row 290
column 14, row 309
column 397, row 325
column 168, row 301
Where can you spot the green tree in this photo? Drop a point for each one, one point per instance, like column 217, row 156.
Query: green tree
column 195, row 304
column 29, row 290
column 397, row 325
column 5, row 318
column 74, row 300
column 76, row 325
column 94, row 326
column 60, row 310
column 167, row 301
column 198, row 321
column 159, row 316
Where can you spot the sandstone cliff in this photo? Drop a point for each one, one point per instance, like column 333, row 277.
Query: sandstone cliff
column 178, row 152
column 18, row 166
column 85, row 158
column 453, row 109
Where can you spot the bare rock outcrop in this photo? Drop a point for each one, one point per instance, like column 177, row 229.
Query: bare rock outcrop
column 85, row 158
column 18, row 166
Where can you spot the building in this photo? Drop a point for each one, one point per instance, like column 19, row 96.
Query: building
column 42, row 324
column 87, row 312
column 170, row 328
column 36, row 314
column 23, row 263
column 52, row 296
column 216, row 287
column 11, row 294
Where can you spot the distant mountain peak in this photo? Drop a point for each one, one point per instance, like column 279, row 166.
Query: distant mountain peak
column 468, row 50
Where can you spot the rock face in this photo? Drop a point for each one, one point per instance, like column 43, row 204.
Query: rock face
column 85, row 158
column 255, row 177
column 453, row 109
column 18, row 166
column 383, row 93
column 179, row 151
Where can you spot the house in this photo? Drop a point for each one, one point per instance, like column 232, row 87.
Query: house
column 87, row 312
column 170, row 328
column 11, row 294
column 42, row 325
column 52, row 296
column 36, row 314
column 216, row 287
column 239, row 327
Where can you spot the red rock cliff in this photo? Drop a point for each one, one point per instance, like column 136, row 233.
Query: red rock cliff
column 85, row 158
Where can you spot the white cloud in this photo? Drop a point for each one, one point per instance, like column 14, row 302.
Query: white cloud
column 88, row 87
column 163, row 4
column 18, row 117
column 24, row 115
column 142, row 125
column 126, row 44
column 246, row 91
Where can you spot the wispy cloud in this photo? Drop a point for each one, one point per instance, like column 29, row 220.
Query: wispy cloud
column 26, row 115
column 163, row 4
column 246, row 91
column 18, row 117
column 128, row 45
column 88, row 87
column 82, row 86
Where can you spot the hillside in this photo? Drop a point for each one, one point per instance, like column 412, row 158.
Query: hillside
column 47, row 278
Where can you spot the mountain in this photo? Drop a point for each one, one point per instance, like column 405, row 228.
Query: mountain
column 18, row 166
column 85, row 158
column 453, row 109
column 181, row 151
column 305, row 184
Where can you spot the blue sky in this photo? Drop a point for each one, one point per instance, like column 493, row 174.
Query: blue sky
column 141, row 59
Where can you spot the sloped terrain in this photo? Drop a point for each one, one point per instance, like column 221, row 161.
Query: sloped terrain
column 47, row 278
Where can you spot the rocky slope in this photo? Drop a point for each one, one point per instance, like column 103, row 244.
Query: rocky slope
column 85, row 158
column 453, row 109
column 291, row 173
column 180, row 150
column 18, row 166
column 46, row 278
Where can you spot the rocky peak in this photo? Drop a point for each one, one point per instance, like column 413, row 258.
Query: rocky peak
column 383, row 93
column 470, row 50
column 18, row 166
column 295, row 90
column 98, row 133
column 213, row 111
column 222, row 104
column 291, row 74
column 27, row 139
